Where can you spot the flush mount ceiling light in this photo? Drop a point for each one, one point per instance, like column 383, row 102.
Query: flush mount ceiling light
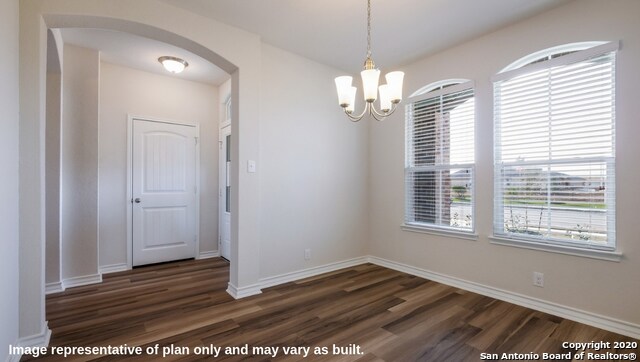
column 390, row 93
column 173, row 64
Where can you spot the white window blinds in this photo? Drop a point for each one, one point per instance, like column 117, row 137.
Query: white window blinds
column 554, row 150
column 439, row 168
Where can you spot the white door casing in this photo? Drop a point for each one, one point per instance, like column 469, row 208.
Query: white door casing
column 164, row 191
column 224, row 193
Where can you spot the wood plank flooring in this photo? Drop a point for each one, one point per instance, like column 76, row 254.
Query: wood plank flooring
column 389, row 315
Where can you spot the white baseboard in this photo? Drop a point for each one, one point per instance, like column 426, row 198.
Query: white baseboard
column 82, row 280
column 14, row 358
column 208, row 254
column 254, row 289
column 243, row 292
column 113, row 268
column 55, row 287
column 37, row 340
column 310, row 272
column 577, row 315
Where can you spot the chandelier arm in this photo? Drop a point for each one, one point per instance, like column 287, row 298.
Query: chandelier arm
column 358, row 117
column 394, row 106
column 382, row 116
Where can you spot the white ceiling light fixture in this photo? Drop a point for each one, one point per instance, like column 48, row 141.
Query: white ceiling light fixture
column 390, row 93
column 173, row 64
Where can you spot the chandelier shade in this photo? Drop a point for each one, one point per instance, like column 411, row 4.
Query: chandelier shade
column 343, row 85
column 370, row 78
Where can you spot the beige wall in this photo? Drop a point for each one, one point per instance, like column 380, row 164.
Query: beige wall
column 55, row 49
column 9, row 181
column 79, row 163
column 607, row 288
column 54, row 97
column 125, row 91
column 312, row 167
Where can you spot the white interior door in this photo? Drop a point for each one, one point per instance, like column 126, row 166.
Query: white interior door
column 163, row 192
column 225, row 192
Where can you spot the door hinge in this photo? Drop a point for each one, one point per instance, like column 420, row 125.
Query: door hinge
column 220, row 144
column 196, row 138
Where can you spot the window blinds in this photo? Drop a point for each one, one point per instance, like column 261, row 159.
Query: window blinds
column 439, row 170
column 554, row 151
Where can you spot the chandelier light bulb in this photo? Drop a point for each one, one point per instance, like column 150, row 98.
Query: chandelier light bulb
column 352, row 100
column 370, row 79
column 343, row 85
column 385, row 98
column 394, row 80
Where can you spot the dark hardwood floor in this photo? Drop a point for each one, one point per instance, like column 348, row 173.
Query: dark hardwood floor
column 389, row 315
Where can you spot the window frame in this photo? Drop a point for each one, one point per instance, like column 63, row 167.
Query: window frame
column 579, row 52
column 433, row 90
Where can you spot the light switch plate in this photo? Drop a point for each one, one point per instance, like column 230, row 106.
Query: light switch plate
column 251, row 166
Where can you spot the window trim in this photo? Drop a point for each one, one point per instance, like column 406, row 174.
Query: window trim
column 427, row 92
column 521, row 67
column 586, row 252
column 432, row 87
column 439, row 231
column 571, row 47
column 440, row 92
column 566, row 59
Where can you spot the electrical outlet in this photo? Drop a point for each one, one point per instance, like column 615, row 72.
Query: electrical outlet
column 307, row 254
column 538, row 279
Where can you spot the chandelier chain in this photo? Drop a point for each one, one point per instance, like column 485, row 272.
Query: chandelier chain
column 368, row 28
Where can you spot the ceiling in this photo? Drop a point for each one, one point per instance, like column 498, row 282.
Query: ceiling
column 332, row 32
column 142, row 53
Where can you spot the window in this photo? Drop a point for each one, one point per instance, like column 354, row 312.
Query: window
column 225, row 120
column 554, row 166
column 439, row 167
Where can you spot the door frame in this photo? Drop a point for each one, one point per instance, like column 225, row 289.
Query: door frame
column 130, row 120
column 223, row 132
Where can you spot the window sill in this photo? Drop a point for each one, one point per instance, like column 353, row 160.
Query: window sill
column 585, row 253
column 440, row 232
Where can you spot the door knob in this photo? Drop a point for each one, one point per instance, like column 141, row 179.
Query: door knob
column 137, row 200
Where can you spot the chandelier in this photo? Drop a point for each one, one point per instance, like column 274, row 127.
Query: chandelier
column 390, row 93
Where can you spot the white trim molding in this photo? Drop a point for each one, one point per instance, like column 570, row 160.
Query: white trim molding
column 14, row 358
column 113, row 268
column 208, row 254
column 243, row 292
column 37, row 340
column 82, row 280
column 440, row 232
column 55, row 287
column 577, row 315
column 255, row 289
column 310, row 272
column 560, row 249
